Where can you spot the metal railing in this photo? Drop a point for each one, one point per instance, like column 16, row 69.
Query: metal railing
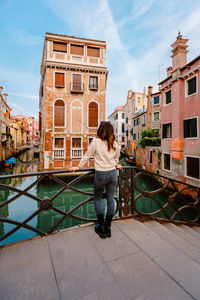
column 160, row 198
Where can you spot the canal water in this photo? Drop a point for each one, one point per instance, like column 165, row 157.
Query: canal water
column 24, row 206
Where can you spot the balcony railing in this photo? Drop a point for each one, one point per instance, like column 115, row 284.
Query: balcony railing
column 59, row 153
column 77, row 153
column 77, row 87
column 161, row 198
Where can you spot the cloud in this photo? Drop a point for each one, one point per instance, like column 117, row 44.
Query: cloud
column 24, row 95
column 17, row 107
column 24, row 38
column 138, row 41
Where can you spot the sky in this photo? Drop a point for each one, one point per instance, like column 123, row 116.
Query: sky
column 138, row 35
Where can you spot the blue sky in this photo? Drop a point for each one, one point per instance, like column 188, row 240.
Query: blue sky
column 138, row 34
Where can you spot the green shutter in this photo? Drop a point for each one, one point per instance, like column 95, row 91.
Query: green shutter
column 185, row 128
column 168, row 97
column 194, row 127
column 164, row 131
column 192, row 86
column 122, row 127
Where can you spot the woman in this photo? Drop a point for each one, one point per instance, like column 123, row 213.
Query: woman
column 106, row 153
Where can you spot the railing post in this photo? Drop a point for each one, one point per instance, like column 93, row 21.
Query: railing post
column 120, row 193
column 132, row 190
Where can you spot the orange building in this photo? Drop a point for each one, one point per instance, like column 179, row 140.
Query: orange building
column 72, row 97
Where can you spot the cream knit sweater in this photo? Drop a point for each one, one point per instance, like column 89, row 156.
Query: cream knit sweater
column 103, row 160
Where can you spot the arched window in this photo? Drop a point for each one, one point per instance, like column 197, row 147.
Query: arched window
column 59, row 113
column 93, row 114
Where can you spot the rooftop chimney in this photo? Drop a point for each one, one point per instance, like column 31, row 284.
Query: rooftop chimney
column 169, row 71
column 150, row 88
column 5, row 97
column 1, row 88
column 179, row 52
column 130, row 93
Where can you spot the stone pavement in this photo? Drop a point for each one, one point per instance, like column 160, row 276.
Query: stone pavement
column 141, row 261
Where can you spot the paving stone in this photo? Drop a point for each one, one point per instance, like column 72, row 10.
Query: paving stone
column 184, row 234
column 178, row 265
column 147, row 239
column 168, row 235
column 79, row 268
column 191, row 231
column 110, row 292
column 26, row 272
column 143, row 279
column 117, row 246
column 182, row 269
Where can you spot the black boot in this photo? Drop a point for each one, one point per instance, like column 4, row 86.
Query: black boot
column 107, row 225
column 99, row 228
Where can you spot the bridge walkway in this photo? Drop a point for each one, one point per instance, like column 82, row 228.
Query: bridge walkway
column 142, row 260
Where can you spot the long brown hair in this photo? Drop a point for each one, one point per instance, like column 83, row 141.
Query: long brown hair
column 105, row 133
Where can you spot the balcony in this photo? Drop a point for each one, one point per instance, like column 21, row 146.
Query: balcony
column 77, row 153
column 77, row 87
column 59, row 153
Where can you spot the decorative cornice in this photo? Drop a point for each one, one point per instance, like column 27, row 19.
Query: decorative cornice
column 77, row 68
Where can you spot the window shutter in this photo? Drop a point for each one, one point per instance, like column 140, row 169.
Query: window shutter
column 193, row 167
column 76, row 82
column 122, row 127
column 77, row 49
column 59, row 80
column 93, row 114
column 168, row 97
column 61, row 47
column 185, row 128
column 192, row 86
column 94, row 52
column 164, row 131
column 59, row 113
column 194, row 127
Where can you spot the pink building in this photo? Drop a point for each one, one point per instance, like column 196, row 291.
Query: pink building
column 180, row 110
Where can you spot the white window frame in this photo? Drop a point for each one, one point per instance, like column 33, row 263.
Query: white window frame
column 166, row 104
column 54, row 148
column 76, row 137
column 54, row 113
column 193, row 156
column 164, row 164
column 153, row 117
column 63, row 72
column 95, row 75
column 157, row 103
column 88, row 114
column 186, row 86
column 193, row 138
column 168, row 138
column 72, row 80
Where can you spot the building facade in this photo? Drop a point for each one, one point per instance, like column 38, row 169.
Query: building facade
column 6, row 142
column 117, row 119
column 154, row 112
column 180, row 109
column 72, row 97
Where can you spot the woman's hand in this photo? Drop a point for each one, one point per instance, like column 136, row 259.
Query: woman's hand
column 119, row 167
column 74, row 169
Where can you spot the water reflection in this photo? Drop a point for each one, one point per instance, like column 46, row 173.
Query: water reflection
column 24, row 206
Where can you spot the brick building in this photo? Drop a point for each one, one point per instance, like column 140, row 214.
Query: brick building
column 72, row 97
column 180, row 109
column 6, row 142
